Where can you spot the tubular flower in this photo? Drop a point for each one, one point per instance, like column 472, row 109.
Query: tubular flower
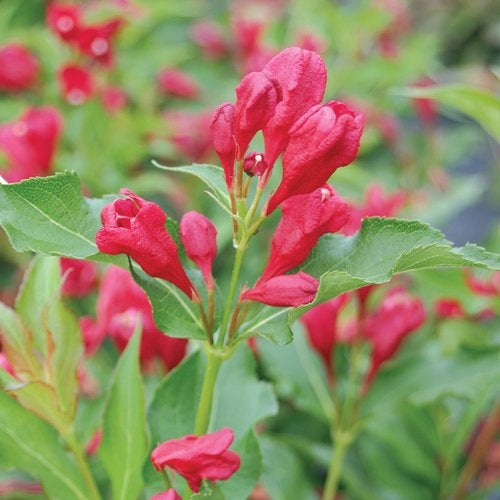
column 80, row 276
column 64, row 20
column 300, row 76
column 199, row 457
column 449, row 308
column 321, row 326
column 170, row 494
column 18, row 68
column 121, row 303
column 177, row 83
column 283, row 291
column 76, row 83
column 136, row 227
column 199, row 237
column 325, row 138
column 222, row 128
column 256, row 100
column 305, row 219
column 29, row 143
column 209, row 38
column 398, row 315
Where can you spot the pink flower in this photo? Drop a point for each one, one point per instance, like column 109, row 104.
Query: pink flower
column 305, row 219
column 198, row 457
column 76, row 83
column 199, row 237
column 18, row 68
column 397, row 316
column 310, row 41
column 325, row 138
column 284, row 291
column 64, row 20
column 136, row 227
column 113, row 98
column 300, row 76
column 80, row 276
column 121, row 303
column 29, row 143
column 208, row 36
column 92, row 334
column 170, row 494
column 176, row 83
column 223, row 130
column 449, row 308
column 489, row 287
column 321, row 327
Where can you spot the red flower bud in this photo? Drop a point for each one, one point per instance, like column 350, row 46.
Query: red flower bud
column 170, row 494
column 255, row 164
column 305, row 219
column 222, row 128
column 18, row 68
column 283, row 291
column 322, row 140
column 300, row 76
column 29, row 143
column 64, row 20
column 198, row 457
column 321, row 326
column 449, row 308
column 76, row 83
column 256, row 99
column 113, row 98
column 199, row 237
column 136, row 227
column 398, row 315
column 177, row 83
column 95, row 41
column 80, row 276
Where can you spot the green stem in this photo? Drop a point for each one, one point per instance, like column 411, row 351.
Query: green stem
column 214, row 361
column 81, row 461
column 254, row 205
column 238, row 260
column 342, row 442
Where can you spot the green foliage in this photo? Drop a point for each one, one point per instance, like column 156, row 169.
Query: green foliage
column 124, row 447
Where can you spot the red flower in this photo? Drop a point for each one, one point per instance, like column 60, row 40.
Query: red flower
column 170, row 494
column 113, row 98
column 120, row 304
column 198, row 457
column 312, row 42
column 190, row 133
column 255, row 164
column 18, row 68
column 300, row 76
column 426, row 109
column 207, row 35
column 223, row 129
column 199, row 237
column 80, row 276
column 136, row 227
column 76, row 83
column 321, row 326
column 449, row 308
column 177, row 83
column 283, row 291
column 398, row 315
column 92, row 334
column 325, row 138
column 489, row 287
column 95, row 40
column 305, row 219
column 94, row 443
column 256, row 100
column 64, row 20
column 29, row 143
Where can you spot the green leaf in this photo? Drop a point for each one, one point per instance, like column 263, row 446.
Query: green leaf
column 124, row 446
column 173, row 312
column 208, row 491
column 482, row 106
column 30, row 444
column 270, row 323
column 211, row 175
column 49, row 215
column 383, row 247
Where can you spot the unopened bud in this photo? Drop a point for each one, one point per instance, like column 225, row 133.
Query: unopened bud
column 254, row 164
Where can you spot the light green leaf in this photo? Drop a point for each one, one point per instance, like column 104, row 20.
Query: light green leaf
column 49, row 215
column 270, row 323
column 481, row 105
column 124, row 446
column 211, row 175
column 383, row 247
column 30, row 444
